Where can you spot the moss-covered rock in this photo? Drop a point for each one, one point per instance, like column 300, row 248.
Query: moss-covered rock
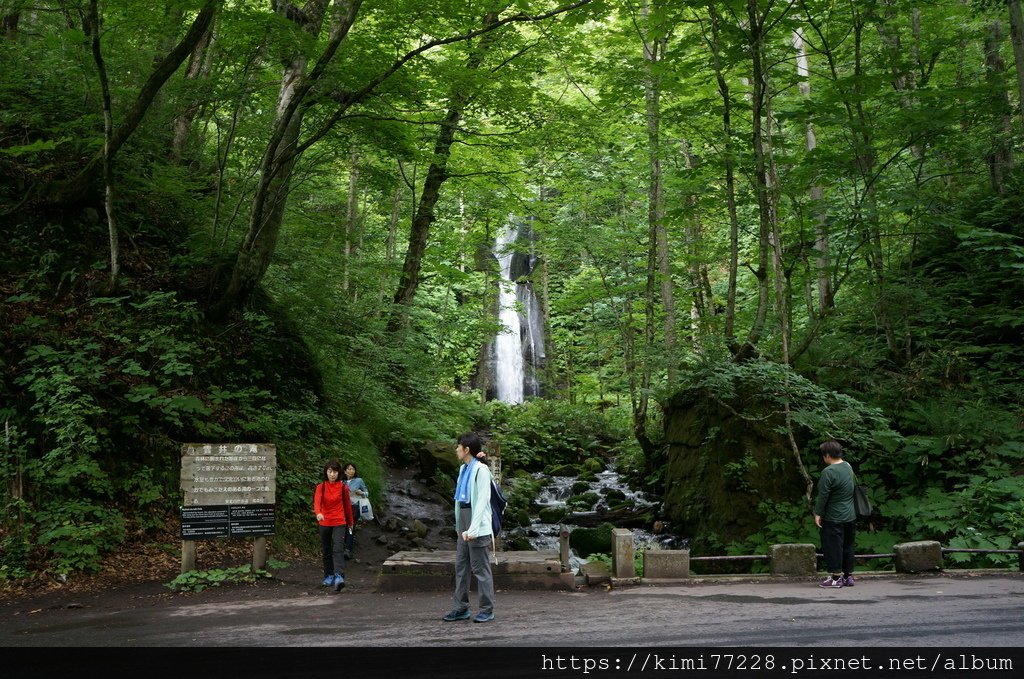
column 582, row 502
column 587, row 541
column 593, row 464
column 521, row 518
column 722, row 466
column 516, row 542
column 579, row 487
column 552, row 514
column 562, row 470
column 613, row 494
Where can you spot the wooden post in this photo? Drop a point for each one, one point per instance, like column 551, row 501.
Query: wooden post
column 188, row 555
column 259, row 553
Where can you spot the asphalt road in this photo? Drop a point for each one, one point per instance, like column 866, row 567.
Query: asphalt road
column 934, row 610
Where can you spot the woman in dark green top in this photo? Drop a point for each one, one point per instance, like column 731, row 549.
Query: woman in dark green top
column 833, row 514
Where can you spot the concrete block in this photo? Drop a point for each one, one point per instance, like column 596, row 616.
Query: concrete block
column 594, row 573
column 667, row 563
column 622, row 553
column 915, row 557
column 797, row 559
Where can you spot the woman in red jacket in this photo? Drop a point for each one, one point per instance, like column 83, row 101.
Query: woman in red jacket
column 333, row 508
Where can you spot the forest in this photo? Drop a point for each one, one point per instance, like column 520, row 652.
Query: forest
column 753, row 225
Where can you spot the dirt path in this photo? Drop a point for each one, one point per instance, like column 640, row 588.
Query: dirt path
column 137, row 576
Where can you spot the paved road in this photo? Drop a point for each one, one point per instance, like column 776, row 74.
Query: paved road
column 934, row 610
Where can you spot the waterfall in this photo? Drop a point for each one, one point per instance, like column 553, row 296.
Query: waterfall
column 508, row 355
column 518, row 350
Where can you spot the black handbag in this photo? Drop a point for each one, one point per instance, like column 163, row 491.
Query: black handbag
column 861, row 503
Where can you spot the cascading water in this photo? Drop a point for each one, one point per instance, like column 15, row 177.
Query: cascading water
column 558, row 489
column 508, row 354
column 518, row 350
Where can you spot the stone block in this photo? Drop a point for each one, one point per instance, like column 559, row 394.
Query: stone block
column 667, row 563
column 622, row 553
column 796, row 559
column 916, row 557
column 594, row 572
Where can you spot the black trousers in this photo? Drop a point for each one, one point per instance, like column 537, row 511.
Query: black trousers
column 837, row 545
column 332, row 544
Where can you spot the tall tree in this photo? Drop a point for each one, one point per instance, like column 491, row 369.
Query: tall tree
column 437, row 173
column 296, row 98
column 73, row 190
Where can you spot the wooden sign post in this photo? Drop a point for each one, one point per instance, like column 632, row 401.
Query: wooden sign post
column 229, row 492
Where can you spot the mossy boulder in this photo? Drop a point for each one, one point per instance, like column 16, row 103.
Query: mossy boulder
column 593, row 464
column 587, row 541
column 705, row 439
column 582, row 502
column 613, row 494
column 579, row 487
column 438, row 456
column 516, row 543
column 552, row 514
column 562, row 470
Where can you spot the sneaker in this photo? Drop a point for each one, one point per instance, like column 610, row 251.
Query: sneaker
column 831, row 582
column 483, row 617
column 339, row 582
column 328, row 581
column 456, row 614
column 848, row 582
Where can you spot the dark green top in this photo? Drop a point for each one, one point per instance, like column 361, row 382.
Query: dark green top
column 835, row 494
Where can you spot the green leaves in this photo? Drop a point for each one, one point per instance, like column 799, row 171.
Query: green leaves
column 197, row 581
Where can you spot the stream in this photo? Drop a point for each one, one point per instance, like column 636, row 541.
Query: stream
column 558, row 489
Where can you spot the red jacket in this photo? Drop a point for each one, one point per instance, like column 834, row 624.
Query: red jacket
column 333, row 501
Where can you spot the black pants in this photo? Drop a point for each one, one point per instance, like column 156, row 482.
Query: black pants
column 837, row 546
column 332, row 542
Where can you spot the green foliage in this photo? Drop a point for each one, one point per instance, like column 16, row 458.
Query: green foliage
column 762, row 390
column 606, row 560
column 544, row 432
column 197, row 581
column 15, row 549
column 522, row 490
column 78, row 533
column 916, row 364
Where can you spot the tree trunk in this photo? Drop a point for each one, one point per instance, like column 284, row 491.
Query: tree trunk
column 700, row 282
column 761, row 179
column 267, row 212
column 198, row 69
column 653, row 48
column 730, row 181
column 108, row 131
column 351, row 214
column 10, row 23
column 437, row 173
column 815, row 192
column 281, row 153
column 1017, row 38
column 1000, row 156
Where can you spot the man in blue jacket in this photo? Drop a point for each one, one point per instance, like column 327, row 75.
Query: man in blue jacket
column 473, row 530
